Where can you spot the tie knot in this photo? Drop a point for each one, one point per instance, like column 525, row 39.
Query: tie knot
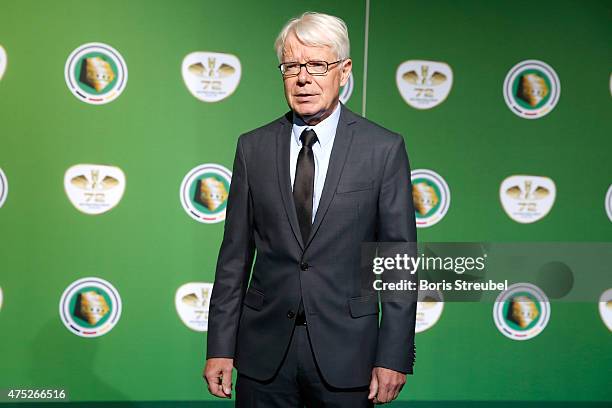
column 308, row 138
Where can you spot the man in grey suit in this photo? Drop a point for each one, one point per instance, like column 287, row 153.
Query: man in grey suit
column 307, row 189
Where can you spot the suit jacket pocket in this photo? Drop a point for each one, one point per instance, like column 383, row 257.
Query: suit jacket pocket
column 254, row 299
column 349, row 187
column 363, row 305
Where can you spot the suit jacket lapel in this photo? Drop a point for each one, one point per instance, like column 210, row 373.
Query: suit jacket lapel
column 342, row 143
column 283, row 138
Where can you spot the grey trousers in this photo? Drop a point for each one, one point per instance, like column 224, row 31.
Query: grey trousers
column 298, row 383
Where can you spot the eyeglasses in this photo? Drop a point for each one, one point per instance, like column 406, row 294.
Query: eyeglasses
column 289, row 69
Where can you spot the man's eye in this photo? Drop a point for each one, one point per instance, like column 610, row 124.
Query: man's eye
column 291, row 66
column 317, row 64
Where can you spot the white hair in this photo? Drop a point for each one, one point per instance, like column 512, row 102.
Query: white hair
column 316, row 29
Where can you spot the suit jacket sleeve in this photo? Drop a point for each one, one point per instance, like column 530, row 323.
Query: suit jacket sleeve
column 233, row 264
column 396, row 223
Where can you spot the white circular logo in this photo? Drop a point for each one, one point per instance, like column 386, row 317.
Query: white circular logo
column 3, row 188
column 204, row 192
column 96, row 73
column 429, row 309
column 527, row 198
column 1, row 298
column 94, row 188
column 605, row 308
column 531, row 89
column 424, row 84
column 608, row 202
column 347, row 90
column 521, row 312
column 192, row 302
column 431, row 197
column 90, row 307
column 211, row 76
column 3, row 61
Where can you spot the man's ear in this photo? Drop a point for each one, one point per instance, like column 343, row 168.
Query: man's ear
column 347, row 66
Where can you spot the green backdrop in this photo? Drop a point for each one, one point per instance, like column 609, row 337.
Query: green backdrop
column 156, row 131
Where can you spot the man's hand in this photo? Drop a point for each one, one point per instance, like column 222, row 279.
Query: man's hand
column 218, row 375
column 385, row 385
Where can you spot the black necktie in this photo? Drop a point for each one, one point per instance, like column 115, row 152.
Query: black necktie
column 303, row 186
column 303, row 190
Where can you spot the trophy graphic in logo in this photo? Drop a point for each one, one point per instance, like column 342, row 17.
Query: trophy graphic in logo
column 211, row 76
column 84, row 183
column 424, row 84
column 521, row 312
column 431, row 197
column 211, row 193
column 528, row 192
column 211, row 70
column 204, row 192
column 94, row 188
column 90, row 307
column 425, row 197
column 531, row 89
column 96, row 73
column 425, row 80
column 527, row 199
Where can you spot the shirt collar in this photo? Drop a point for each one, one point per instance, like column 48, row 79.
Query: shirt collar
column 325, row 130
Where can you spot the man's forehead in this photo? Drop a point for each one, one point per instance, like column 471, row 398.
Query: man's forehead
column 295, row 48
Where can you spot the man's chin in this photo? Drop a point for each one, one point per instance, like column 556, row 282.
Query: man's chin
column 308, row 111
column 309, row 115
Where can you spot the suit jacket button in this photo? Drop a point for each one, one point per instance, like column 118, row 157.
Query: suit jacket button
column 304, row 266
column 290, row 314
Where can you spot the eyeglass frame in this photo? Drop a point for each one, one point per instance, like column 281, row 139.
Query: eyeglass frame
column 305, row 65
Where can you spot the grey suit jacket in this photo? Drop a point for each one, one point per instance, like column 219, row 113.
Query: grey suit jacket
column 367, row 197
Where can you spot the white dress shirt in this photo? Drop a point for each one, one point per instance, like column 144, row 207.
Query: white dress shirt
column 326, row 133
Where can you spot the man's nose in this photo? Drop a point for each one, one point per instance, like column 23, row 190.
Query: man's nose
column 303, row 77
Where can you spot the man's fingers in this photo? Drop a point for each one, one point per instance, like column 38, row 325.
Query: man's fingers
column 393, row 393
column 388, row 392
column 214, row 385
column 227, row 382
column 389, row 384
column 383, row 393
column 373, row 386
column 218, row 375
column 211, row 377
